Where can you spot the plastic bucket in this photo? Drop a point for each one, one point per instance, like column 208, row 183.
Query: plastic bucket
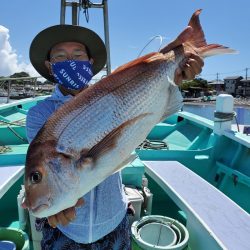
column 158, row 232
column 17, row 236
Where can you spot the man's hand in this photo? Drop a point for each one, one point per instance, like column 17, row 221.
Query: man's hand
column 66, row 216
column 190, row 67
column 192, row 63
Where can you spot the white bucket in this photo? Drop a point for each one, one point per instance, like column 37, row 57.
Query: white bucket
column 158, row 232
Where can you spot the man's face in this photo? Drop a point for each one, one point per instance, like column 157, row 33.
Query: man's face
column 68, row 51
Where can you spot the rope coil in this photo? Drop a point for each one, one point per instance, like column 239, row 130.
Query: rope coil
column 153, row 144
column 225, row 117
column 5, row 149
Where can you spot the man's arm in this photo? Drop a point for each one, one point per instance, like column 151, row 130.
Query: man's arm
column 34, row 122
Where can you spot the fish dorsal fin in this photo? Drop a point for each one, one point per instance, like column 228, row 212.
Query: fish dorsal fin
column 144, row 59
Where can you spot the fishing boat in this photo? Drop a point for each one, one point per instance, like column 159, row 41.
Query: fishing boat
column 189, row 186
column 190, row 170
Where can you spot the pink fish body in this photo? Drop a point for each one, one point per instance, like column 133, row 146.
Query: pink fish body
column 93, row 135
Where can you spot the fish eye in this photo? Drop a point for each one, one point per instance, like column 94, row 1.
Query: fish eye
column 35, row 177
column 66, row 156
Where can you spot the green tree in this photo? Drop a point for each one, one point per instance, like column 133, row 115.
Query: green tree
column 197, row 82
column 20, row 74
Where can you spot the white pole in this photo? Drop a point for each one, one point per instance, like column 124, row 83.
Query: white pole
column 224, row 107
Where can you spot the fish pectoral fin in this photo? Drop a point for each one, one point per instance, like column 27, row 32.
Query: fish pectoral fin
column 85, row 162
column 110, row 140
column 131, row 158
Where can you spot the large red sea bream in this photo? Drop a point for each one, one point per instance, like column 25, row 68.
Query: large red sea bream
column 93, row 135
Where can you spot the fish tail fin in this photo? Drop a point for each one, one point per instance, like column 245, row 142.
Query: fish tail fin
column 215, row 49
column 196, row 39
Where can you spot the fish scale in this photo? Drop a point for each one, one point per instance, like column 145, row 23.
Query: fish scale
column 87, row 119
column 137, row 100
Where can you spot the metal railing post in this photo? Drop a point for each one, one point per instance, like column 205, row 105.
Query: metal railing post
column 35, row 85
column 106, row 34
column 75, row 13
column 76, row 5
column 9, row 86
column 63, row 9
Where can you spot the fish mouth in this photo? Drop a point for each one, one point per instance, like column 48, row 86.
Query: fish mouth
column 39, row 208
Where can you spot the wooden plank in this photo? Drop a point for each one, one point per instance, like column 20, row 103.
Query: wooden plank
column 223, row 219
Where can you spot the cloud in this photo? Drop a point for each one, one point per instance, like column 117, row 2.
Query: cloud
column 9, row 58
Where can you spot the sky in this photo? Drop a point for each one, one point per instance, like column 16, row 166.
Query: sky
column 132, row 25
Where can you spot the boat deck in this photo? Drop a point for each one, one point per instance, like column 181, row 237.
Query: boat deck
column 209, row 212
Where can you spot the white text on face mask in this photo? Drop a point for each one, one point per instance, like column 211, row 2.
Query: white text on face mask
column 67, row 77
column 72, row 74
column 73, row 65
column 81, row 78
column 87, row 70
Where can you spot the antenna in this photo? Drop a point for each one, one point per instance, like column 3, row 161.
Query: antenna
column 217, row 77
column 246, row 72
column 76, row 5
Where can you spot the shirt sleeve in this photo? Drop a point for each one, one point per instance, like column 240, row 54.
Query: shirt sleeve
column 35, row 120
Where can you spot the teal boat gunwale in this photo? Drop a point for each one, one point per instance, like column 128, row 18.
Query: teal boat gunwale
column 22, row 102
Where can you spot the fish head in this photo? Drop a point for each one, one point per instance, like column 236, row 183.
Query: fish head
column 50, row 176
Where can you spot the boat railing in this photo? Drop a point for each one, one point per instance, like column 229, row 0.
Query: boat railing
column 9, row 80
column 222, row 123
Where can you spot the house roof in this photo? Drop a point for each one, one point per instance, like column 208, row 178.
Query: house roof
column 233, row 78
column 244, row 80
column 215, row 82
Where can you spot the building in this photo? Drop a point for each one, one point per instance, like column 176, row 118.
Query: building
column 217, row 85
column 243, row 88
column 232, row 83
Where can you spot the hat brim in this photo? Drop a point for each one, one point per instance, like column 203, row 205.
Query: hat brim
column 46, row 39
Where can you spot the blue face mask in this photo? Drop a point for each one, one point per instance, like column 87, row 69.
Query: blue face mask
column 72, row 74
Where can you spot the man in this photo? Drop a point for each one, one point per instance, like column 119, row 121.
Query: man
column 70, row 56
